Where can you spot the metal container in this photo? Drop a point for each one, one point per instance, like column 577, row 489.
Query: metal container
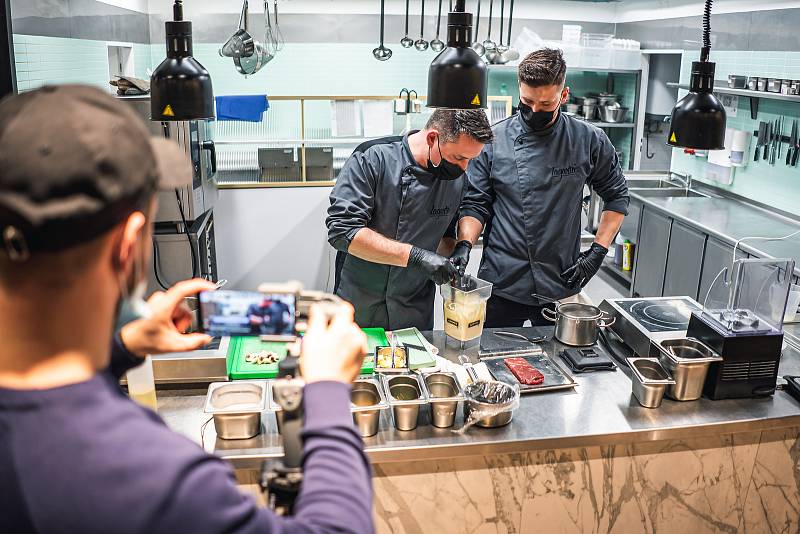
column 585, row 101
column 444, row 394
column 573, row 108
column 236, row 407
column 774, row 85
column 367, row 401
column 649, row 381
column 589, row 111
column 406, row 394
column 613, row 114
column 687, row 360
column 501, row 418
column 752, row 83
column 577, row 324
column 762, row 84
column 736, row 81
column 605, row 99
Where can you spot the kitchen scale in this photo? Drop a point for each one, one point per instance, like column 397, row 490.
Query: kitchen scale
column 642, row 321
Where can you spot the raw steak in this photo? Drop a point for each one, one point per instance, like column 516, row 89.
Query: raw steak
column 524, row 371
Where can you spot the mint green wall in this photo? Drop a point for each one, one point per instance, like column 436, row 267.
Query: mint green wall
column 57, row 60
column 581, row 83
column 777, row 185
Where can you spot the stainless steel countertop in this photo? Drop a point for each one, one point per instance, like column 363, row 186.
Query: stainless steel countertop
column 599, row 411
column 730, row 220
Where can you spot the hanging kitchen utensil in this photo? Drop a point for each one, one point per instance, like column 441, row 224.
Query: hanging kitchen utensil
column 241, row 43
column 511, row 53
column 407, row 41
column 477, row 46
column 261, row 55
column 500, row 46
column 488, row 44
column 382, row 53
column 421, row 44
column 437, row 45
column 279, row 40
column 269, row 36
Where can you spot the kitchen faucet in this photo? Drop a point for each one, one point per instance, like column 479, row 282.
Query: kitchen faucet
column 684, row 180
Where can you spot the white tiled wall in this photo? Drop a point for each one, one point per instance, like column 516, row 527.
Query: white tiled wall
column 55, row 60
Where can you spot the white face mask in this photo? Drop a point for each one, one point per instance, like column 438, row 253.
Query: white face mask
column 132, row 305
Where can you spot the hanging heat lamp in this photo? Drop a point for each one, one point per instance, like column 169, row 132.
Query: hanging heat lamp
column 698, row 120
column 180, row 87
column 457, row 78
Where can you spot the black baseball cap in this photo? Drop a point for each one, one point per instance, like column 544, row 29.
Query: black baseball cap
column 74, row 163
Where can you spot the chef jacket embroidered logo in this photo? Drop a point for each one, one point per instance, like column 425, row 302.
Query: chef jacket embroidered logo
column 572, row 170
column 440, row 212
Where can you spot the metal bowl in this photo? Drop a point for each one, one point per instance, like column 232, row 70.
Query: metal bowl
column 475, row 402
column 612, row 114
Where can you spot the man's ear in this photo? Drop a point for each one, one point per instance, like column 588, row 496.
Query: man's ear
column 130, row 234
column 431, row 137
column 565, row 95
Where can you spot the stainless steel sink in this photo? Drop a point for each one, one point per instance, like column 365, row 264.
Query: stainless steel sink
column 671, row 192
column 651, row 184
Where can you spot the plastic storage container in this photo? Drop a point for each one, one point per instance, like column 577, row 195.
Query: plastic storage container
column 571, row 33
column 142, row 385
column 596, row 50
column 465, row 311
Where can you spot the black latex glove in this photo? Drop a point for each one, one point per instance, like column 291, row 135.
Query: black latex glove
column 460, row 256
column 586, row 267
column 437, row 268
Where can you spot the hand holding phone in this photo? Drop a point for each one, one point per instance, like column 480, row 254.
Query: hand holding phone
column 332, row 350
column 248, row 313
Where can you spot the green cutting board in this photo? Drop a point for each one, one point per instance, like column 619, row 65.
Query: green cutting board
column 417, row 359
column 241, row 346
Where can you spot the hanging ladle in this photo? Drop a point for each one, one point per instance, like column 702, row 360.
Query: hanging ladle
column 500, row 46
column 382, row 53
column 421, row 44
column 511, row 54
column 488, row 44
column 437, row 45
column 477, row 46
column 406, row 41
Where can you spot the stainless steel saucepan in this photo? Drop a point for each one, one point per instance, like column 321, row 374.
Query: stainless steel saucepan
column 577, row 324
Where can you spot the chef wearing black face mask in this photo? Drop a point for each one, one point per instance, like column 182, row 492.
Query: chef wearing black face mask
column 525, row 194
column 392, row 218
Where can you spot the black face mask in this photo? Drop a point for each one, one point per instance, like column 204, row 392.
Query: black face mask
column 536, row 120
column 445, row 170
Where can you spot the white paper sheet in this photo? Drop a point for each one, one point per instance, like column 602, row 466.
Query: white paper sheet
column 345, row 118
column 378, row 118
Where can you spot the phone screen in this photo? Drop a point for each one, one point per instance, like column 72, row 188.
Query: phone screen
column 247, row 313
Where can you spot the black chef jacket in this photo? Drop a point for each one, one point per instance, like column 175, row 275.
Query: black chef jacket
column 527, row 188
column 382, row 187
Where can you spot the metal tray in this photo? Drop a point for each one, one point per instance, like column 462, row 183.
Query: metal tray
column 555, row 377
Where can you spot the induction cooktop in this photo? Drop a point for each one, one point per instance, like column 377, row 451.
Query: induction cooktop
column 639, row 321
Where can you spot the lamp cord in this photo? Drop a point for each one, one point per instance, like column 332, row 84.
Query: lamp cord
column 705, row 52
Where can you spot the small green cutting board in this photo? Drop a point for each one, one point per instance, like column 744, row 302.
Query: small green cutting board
column 241, row 346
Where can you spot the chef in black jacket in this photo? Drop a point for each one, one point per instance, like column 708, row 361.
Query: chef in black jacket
column 394, row 201
column 526, row 189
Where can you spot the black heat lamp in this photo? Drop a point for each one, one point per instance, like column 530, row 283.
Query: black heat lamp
column 180, row 87
column 698, row 120
column 457, row 78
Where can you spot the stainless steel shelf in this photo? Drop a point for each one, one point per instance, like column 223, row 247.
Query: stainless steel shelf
column 612, row 124
column 754, row 96
column 720, row 88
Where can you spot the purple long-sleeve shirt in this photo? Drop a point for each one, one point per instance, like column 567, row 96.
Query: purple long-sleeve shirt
column 85, row 458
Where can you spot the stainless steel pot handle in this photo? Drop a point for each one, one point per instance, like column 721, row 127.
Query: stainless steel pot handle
column 601, row 323
column 552, row 319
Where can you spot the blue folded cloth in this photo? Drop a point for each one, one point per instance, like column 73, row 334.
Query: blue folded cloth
column 248, row 108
